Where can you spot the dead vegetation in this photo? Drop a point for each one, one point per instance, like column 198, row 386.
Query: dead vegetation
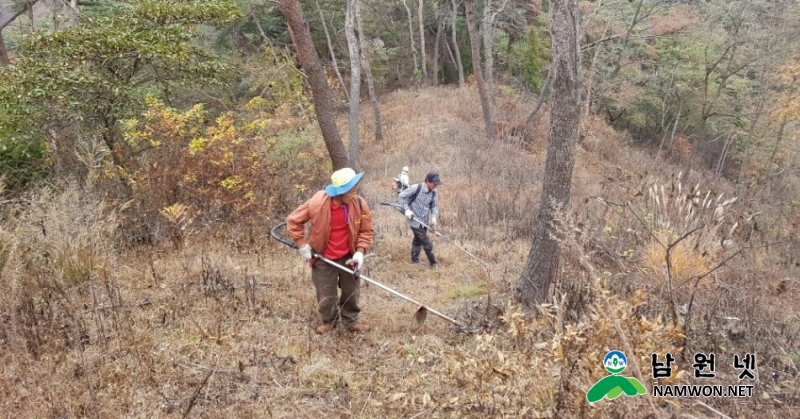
column 220, row 323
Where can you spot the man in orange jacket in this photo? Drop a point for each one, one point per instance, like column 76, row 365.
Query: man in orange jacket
column 341, row 231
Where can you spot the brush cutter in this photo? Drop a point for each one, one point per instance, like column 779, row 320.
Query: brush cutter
column 422, row 311
column 399, row 208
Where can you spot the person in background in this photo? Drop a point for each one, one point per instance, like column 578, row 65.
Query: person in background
column 401, row 181
column 341, row 231
column 420, row 204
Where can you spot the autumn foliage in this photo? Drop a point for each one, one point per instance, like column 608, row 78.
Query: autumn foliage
column 220, row 167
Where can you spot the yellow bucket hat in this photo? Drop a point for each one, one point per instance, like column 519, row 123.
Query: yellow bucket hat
column 342, row 181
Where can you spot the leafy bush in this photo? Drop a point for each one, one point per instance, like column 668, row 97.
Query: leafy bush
column 233, row 166
column 22, row 160
column 89, row 77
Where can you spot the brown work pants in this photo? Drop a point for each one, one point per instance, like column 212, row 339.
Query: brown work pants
column 327, row 279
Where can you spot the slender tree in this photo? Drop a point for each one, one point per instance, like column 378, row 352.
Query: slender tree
column 330, row 49
column 456, row 50
column 411, row 37
column 421, row 25
column 441, row 14
column 490, row 13
column 355, row 82
column 543, row 260
column 475, row 42
column 487, row 30
column 323, row 103
column 373, row 98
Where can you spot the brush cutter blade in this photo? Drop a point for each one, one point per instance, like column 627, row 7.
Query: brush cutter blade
column 419, row 317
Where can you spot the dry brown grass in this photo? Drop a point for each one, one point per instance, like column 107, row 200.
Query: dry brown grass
column 223, row 326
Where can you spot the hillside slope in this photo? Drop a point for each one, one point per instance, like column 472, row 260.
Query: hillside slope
column 214, row 332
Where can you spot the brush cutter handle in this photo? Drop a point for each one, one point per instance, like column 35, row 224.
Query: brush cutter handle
column 413, row 217
column 280, row 239
column 291, row 244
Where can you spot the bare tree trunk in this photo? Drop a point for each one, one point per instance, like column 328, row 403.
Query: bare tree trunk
column 436, row 53
column 4, row 60
column 456, row 50
column 7, row 20
column 672, row 139
column 475, row 42
column 30, row 15
column 487, row 30
column 373, row 98
column 489, row 17
column 330, row 49
column 542, row 93
column 411, row 37
column 723, row 156
column 543, row 259
column 449, row 51
column 73, row 13
column 321, row 95
column 355, row 82
column 587, row 102
column 421, row 17
column 54, row 13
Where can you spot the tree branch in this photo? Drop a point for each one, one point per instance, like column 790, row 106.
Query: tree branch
column 7, row 20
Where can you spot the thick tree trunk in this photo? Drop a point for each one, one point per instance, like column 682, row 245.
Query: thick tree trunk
column 330, row 50
column 355, row 82
column 543, row 260
column 321, row 95
column 373, row 98
column 421, row 17
column 475, row 42
column 456, row 50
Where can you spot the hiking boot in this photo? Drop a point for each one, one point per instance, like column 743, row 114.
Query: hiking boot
column 360, row 328
column 435, row 266
column 415, row 254
column 324, row 329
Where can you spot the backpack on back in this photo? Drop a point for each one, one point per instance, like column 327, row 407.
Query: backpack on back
column 416, row 193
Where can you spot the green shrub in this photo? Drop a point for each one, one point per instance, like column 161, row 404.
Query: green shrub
column 529, row 57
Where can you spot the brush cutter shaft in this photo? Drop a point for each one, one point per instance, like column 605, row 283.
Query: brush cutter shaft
column 387, row 289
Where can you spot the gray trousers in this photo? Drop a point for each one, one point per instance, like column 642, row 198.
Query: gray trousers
column 327, row 280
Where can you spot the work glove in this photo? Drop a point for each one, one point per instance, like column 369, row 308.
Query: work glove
column 409, row 214
column 305, row 251
column 432, row 222
column 358, row 260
